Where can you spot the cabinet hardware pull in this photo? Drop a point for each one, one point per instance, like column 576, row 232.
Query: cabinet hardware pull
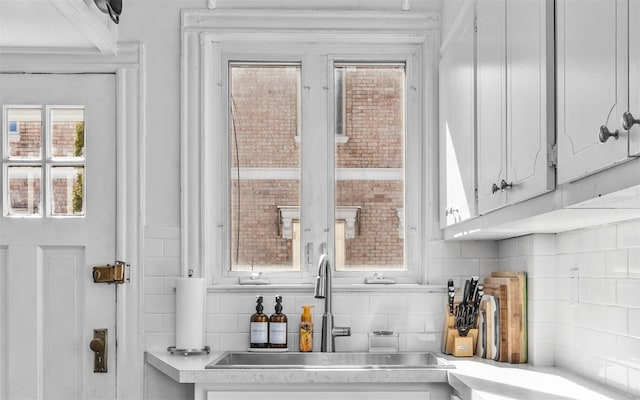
column 604, row 134
column 494, row 188
column 628, row 121
column 504, row 185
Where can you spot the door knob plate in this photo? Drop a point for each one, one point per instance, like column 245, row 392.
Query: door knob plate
column 99, row 347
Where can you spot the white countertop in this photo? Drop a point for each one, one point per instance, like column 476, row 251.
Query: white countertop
column 473, row 378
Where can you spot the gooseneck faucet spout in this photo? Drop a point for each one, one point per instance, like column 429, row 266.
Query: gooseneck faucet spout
column 323, row 291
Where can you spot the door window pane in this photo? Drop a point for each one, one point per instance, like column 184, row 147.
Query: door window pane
column 67, row 191
column 264, row 164
column 67, row 132
column 24, row 133
column 24, row 194
column 370, row 165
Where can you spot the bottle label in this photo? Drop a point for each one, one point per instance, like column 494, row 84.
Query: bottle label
column 259, row 332
column 278, row 333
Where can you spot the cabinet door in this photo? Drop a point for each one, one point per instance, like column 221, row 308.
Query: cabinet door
column 634, row 75
column 457, row 125
column 530, row 98
column 592, row 73
column 491, row 102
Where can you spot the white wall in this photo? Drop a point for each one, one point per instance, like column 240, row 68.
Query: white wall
column 599, row 337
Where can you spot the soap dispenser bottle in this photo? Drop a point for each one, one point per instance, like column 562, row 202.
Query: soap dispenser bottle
column 278, row 327
column 259, row 327
column 306, row 330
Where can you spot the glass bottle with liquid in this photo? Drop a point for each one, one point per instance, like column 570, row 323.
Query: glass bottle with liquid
column 278, row 327
column 259, row 337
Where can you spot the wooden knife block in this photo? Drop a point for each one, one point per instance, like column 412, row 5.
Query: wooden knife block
column 459, row 346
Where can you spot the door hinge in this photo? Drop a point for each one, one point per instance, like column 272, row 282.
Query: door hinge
column 111, row 273
column 552, row 156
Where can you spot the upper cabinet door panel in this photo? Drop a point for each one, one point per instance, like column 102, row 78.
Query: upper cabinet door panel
column 634, row 75
column 592, row 84
column 530, row 98
column 491, row 103
column 457, row 124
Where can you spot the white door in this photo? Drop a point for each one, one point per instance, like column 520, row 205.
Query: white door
column 58, row 220
column 634, row 76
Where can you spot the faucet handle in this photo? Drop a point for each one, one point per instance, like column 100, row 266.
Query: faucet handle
column 341, row 331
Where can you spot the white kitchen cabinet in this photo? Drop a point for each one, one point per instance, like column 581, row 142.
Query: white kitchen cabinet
column 515, row 101
column 322, row 391
column 457, row 121
column 596, row 64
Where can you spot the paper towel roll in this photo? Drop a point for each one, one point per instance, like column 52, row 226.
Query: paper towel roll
column 190, row 313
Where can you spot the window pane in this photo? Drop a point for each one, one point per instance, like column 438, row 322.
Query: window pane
column 370, row 167
column 24, row 195
column 24, row 133
column 67, row 132
column 67, row 191
column 265, row 165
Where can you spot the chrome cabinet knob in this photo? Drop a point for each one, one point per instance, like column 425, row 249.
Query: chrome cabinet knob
column 494, row 188
column 504, row 185
column 604, row 134
column 628, row 121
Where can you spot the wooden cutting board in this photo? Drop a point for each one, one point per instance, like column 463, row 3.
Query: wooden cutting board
column 522, row 292
column 517, row 352
column 488, row 342
column 499, row 292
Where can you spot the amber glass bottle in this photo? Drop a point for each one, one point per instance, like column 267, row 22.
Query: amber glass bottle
column 259, row 327
column 278, row 327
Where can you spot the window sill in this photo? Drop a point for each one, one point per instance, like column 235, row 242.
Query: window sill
column 307, row 288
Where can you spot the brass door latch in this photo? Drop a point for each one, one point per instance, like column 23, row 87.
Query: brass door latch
column 110, row 273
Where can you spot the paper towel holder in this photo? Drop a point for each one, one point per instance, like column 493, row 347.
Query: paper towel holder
column 188, row 352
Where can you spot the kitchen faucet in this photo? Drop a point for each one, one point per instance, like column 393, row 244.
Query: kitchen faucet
column 323, row 291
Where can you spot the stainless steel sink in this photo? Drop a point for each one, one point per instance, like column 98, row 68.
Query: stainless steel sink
column 362, row 361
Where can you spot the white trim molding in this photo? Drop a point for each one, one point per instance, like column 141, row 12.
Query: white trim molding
column 128, row 67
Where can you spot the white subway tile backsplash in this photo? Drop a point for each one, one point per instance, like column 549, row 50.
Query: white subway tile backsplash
column 347, row 304
column 461, row 267
column 542, row 244
column 634, row 322
column 599, row 291
column 628, row 351
column 628, row 234
column 591, row 265
column 441, row 249
column 388, row 304
column 567, row 242
column 634, row 382
column 508, row 248
column 617, row 262
column 596, row 368
column 541, row 266
column 159, row 304
column 586, row 240
column 542, row 311
column 616, row 320
column 541, row 354
column 541, row 288
column 634, row 263
column 617, row 376
column 367, row 323
column 154, row 322
column 427, row 303
column 542, row 332
column 479, row 249
column 629, row 293
column 606, row 237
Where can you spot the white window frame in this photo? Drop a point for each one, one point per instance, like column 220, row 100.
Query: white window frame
column 214, row 38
